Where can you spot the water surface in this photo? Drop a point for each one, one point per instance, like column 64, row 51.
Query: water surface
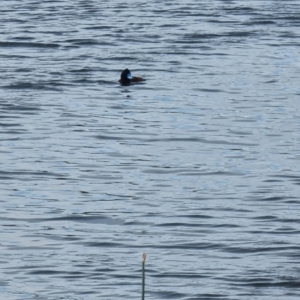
column 198, row 166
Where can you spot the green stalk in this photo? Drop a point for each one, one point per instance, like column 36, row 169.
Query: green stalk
column 143, row 275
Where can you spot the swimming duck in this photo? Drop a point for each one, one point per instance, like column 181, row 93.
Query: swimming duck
column 127, row 78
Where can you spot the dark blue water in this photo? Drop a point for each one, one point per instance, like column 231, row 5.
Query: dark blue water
column 198, row 166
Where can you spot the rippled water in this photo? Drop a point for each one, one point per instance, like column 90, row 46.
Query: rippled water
column 198, row 166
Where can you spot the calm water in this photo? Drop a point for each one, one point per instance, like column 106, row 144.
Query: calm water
column 198, row 166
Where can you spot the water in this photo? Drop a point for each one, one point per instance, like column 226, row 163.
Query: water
column 198, row 166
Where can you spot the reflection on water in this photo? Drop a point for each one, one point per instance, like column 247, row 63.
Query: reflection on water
column 198, row 166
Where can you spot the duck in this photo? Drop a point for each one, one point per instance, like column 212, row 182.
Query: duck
column 127, row 78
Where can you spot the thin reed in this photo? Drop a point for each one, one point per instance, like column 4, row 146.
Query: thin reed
column 143, row 275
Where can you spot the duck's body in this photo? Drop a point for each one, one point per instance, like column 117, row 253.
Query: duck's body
column 127, row 79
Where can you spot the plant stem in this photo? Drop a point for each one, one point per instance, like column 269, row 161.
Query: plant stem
column 143, row 276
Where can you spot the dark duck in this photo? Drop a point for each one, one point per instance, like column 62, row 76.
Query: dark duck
column 127, row 78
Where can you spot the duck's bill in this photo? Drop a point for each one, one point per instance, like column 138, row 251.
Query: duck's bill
column 129, row 76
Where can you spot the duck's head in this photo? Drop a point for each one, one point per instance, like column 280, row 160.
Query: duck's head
column 125, row 77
